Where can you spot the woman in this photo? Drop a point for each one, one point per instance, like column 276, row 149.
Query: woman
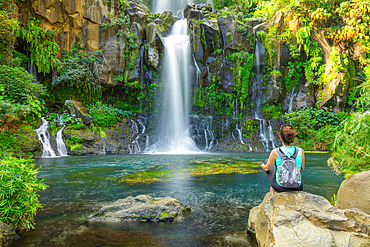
column 287, row 135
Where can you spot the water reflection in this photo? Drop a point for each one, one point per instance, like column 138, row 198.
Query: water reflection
column 79, row 186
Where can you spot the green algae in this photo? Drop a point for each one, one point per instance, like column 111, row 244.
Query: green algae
column 193, row 170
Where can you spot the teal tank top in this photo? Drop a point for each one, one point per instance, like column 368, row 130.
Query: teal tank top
column 288, row 151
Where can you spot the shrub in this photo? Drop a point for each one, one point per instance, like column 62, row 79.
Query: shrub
column 315, row 128
column 18, row 187
column 105, row 115
column 16, row 88
column 351, row 151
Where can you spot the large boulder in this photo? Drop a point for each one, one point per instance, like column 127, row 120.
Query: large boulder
column 142, row 208
column 304, row 219
column 78, row 110
column 354, row 192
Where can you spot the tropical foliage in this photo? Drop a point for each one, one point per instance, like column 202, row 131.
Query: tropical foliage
column 315, row 129
column 18, row 192
column 351, row 151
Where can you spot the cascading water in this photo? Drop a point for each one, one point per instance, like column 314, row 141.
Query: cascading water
column 175, row 6
column 257, row 94
column 61, row 146
column 44, row 137
column 178, row 70
column 266, row 134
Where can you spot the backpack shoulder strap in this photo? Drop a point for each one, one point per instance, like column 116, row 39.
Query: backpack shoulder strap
column 294, row 156
column 281, row 153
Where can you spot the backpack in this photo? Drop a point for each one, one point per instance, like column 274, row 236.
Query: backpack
column 289, row 175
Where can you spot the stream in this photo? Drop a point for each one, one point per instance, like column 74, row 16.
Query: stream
column 79, row 186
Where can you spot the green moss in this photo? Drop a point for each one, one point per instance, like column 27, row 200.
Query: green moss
column 195, row 170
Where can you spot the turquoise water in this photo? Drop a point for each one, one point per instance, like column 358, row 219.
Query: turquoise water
column 79, row 186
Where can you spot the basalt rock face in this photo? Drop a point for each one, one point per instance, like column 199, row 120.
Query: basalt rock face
column 142, row 208
column 213, row 40
column 96, row 25
column 339, row 72
column 304, row 219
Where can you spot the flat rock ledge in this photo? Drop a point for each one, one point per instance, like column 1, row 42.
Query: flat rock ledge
column 305, row 220
column 142, row 208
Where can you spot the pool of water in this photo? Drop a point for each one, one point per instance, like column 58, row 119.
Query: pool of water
column 79, row 186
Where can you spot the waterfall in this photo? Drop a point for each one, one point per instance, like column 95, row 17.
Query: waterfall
column 264, row 134
column 33, row 71
column 257, row 94
column 175, row 6
column 61, row 146
column 44, row 137
column 178, row 70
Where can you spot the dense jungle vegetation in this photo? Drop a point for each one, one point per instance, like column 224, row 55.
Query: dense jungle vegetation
column 74, row 74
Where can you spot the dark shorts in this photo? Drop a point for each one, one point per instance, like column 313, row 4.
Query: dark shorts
column 271, row 174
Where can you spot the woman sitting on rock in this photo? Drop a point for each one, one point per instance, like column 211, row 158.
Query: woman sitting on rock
column 285, row 163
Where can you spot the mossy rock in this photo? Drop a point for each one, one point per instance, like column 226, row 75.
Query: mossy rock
column 142, row 208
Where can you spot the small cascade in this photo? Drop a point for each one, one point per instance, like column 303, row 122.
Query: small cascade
column 264, row 134
column 44, row 136
column 240, row 134
column 257, row 94
column 198, row 73
column 134, row 146
column 289, row 100
column 33, row 71
column 61, row 146
column 271, row 136
column 201, row 131
column 267, row 135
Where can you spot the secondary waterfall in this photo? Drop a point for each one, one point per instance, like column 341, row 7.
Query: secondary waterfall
column 44, row 137
column 61, row 146
column 266, row 134
column 177, row 74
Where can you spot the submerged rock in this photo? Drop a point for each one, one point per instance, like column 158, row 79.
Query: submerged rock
column 7, row 234
column 354, row 193
column 304, row 219
column 142, row 208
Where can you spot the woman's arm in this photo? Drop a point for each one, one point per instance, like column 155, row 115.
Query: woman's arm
column 303, row 159
column 271, row 161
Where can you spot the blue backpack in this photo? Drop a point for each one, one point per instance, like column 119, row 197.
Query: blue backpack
column 289, row 175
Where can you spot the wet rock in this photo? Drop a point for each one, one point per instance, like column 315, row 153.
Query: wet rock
column 353, row 193
column 79, row 111
column 304, row 219
column 95, row 236
column 142, row 208
column 7, row 234
column 155, row 47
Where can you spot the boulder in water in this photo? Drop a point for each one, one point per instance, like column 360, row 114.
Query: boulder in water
column 142, row 208
column 304, row 219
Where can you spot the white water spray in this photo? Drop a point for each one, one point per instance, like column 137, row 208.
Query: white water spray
column 61, row 146
column 44, row 136
column 175, row 6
